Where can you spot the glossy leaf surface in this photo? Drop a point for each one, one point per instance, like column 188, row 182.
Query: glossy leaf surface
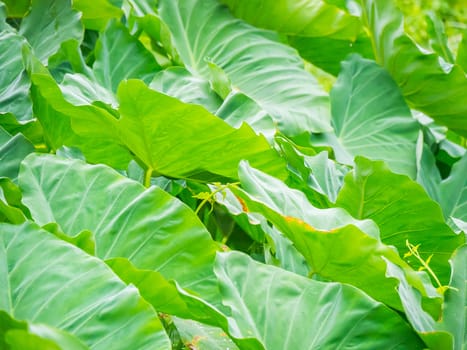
column 37, row 280
column 372, row 191
column 149, row 227
column 281, row 94
column 337, row 315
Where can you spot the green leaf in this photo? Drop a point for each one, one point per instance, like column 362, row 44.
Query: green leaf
column 238, row 108
column 152, row 125
column 201, row 336
column 370, row 117
column 424, row 83
column 438, row 37
column 335, row 315
column 172, row 299
column 455, row 312
column 97, row 13
column 314, row 174
column 335, row 245
column 32, row 129
column 17, row 8
column 461, row 58
column 14, row 82
column 314, row 18
column 68, row 59
column 403, row 212
column 179, row 83
column 120, row 56
column 327, row 53
column 80, row 90
column 11, row 208
column 453, row 192
column 204, row 31
column 40, row 271
column 55, row 114
column 13, row 149
column 54, row 20
column 421, row 321
column 427, row 173
column 285, row 252
column 152, row 229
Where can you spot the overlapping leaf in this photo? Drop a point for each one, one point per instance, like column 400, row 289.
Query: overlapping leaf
column 96, row 13
column 453, row 192
column 14, row 82
column 55, row 115
column 149, row 227
column 13, row 149
column 424, row 83
column 204, row 31
column 161, row 131
column 18, row 335
column 40, row 272
column 335, row 245
column 371, row 118
column 120, row 56
column 309, row 18
column 403, row 212
column 178, row 82
column 264, row 299
column 54, row 20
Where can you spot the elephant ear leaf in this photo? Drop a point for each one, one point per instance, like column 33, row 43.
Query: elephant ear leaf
column 337, row 315
column 207, row 35
column 425, row 84
column 39, row 272
column 315, row 18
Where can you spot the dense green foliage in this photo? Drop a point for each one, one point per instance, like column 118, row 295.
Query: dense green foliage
column 233, row 174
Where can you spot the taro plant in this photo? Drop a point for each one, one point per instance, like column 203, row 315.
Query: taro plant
column 232, row 174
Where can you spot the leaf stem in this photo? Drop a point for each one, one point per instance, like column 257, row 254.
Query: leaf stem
column 147, row 177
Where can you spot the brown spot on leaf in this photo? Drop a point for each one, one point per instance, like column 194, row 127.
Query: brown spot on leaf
column 243, row 204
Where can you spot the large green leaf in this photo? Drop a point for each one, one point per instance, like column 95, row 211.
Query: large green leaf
column 204, row 32
column 313, row 18
column 371, row 118
column 335, row 245
column 287, row 311
column 149, row 227
column 403, row 212
column 40, row 272
column 424, row 83
column 172, row 299
column 54, row 20
column 120, row 56
column 55, row 114
column 13, row 149
column 14, row 82
column 161, row 131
